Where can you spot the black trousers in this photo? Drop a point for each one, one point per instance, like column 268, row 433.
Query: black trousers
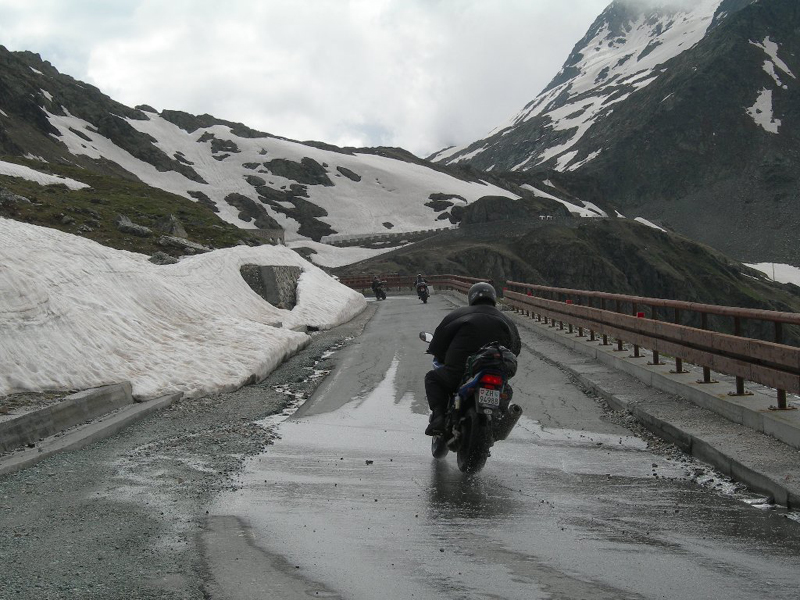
column 440, row 384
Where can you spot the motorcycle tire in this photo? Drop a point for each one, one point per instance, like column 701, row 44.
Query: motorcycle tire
column 424, row 299
column 439, row 447
column 475, row 443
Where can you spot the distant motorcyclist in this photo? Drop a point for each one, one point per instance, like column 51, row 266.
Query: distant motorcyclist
column 377, row 288
column 460, row 334
column 421, row 287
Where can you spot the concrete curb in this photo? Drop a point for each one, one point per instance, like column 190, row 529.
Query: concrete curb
column 739, row 436
column 83, row 435
column 77, row 408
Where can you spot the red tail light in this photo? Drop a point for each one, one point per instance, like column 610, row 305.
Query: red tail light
column 490, row 379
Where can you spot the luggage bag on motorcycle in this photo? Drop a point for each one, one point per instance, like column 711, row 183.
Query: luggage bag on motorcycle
column 492, row 356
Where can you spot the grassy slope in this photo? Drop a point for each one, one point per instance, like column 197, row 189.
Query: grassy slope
column 97, row 208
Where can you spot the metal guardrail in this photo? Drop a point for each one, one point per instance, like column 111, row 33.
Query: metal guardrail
column 654, row 323
column 772, row 364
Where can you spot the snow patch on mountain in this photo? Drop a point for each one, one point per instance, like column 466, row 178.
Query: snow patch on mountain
column 761, row 112
column 23, row 172
column 779, row 272
column 771, row 49
column 389, row 190
column 622, row 53
column 587, row 210
column 650, row 224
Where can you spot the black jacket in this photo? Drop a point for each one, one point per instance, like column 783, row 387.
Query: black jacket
column 466, row 329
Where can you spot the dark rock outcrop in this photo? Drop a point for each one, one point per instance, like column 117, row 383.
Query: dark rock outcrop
column 307, row 171
column 125, row 225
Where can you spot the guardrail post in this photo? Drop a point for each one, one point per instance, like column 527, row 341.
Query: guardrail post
column 678, row 361
column 639, row 315
column 707, row 376
column 568, row 301
column 740, row 391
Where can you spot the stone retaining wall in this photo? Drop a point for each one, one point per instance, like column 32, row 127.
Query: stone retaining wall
column 277, row 285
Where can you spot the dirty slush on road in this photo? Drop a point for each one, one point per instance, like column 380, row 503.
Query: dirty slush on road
column 122, row 518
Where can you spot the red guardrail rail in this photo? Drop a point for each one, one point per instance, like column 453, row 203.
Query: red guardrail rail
column 773, row 364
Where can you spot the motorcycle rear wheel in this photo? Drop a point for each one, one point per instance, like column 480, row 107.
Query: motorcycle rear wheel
column 475, row 443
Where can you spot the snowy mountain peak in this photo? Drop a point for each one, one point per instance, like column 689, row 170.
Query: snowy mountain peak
column 624, row 51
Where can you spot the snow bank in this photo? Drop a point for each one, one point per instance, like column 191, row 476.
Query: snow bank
column 779, row 272
column 23, row 172
column 75, row 314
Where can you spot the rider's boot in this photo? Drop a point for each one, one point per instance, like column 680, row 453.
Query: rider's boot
column 436, row 423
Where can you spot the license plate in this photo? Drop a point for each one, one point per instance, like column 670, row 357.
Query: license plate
column 488, row 397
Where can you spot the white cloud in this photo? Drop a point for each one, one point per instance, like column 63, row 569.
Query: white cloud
column 419, row 74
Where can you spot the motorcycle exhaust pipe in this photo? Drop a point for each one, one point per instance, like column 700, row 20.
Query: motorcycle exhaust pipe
column 504, row 426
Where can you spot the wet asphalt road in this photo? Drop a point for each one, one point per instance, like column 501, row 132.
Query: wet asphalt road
column 350, row 504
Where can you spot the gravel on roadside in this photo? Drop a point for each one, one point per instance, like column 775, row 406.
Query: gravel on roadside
column 122, row 518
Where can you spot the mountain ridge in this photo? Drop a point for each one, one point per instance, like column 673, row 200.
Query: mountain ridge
column 249, row 178
column 706, row 142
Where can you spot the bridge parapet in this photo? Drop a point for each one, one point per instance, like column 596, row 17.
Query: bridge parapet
column 659, row 325
column 687, row 331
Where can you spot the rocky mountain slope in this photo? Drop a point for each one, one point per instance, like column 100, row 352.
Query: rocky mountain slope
column 612, row 255
column 250, row 179
column 687, row 115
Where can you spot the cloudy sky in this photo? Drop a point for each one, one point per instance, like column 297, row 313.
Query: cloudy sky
column 420, row 74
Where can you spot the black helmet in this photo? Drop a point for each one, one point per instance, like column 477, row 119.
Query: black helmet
column 482, row 293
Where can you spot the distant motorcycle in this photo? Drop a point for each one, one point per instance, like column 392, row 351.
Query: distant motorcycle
column 422, row 292
column 380, row 290
column 480, row 412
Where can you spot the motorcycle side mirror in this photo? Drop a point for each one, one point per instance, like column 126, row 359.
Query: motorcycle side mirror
column 425, row 336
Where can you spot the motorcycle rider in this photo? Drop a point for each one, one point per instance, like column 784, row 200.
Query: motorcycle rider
column 376, row 285
column 420, row 280
column 462, row 333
